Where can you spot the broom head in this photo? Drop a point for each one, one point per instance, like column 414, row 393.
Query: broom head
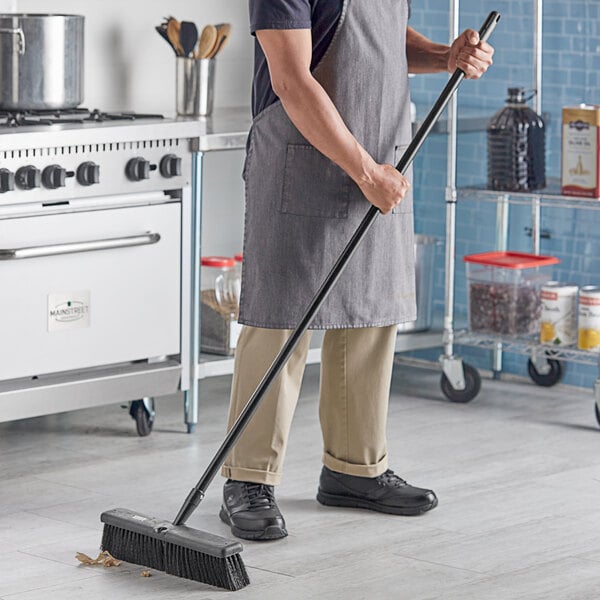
column 175, row 549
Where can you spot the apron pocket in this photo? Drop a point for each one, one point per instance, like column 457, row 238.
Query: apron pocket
column 313, row 185
column 406, row 206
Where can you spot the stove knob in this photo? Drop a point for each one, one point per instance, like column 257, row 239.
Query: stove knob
column 28, row 177
column 88, row 173
column 53, row 177
column 170, row 166
column 137, row 169
column 7, row 181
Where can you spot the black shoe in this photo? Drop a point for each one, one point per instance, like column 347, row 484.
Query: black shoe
column 386, row 493
column 251, row 511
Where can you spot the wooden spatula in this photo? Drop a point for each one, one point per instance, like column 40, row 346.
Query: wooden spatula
column 223, row 34
column 173, row 28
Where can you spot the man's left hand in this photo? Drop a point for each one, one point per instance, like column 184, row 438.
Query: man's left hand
column 469, row 54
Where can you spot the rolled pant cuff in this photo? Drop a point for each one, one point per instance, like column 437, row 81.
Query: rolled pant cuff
column 341, row 466
column 251, row 475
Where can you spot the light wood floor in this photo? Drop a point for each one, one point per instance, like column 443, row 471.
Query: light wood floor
column 517, row 473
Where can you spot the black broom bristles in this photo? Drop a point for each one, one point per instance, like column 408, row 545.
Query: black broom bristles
column 167, row 548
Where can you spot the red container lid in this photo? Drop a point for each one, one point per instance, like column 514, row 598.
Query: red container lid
column 239, row 257
column 511, row 260
column 217, row 261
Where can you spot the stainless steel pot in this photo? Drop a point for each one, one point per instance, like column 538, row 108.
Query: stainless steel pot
column 41, row 61
column 425, row 246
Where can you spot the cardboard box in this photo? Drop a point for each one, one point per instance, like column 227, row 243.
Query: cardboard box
column 580, row 151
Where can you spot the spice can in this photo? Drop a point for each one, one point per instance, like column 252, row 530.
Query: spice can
column 589, row 318
column 559, row 314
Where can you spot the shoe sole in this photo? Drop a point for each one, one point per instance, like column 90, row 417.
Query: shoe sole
column 350, row 502
column 270, row 533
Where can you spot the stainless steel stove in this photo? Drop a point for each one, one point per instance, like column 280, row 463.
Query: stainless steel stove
column 95, row 226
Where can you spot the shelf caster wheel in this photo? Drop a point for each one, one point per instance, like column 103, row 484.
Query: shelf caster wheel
column 597, row 411
column 549, row 379
column 142, row 412
column 472, row 386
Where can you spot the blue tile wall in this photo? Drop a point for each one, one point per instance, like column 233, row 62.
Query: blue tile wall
column 571, row 75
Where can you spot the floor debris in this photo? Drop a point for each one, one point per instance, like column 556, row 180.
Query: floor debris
column 104, row 558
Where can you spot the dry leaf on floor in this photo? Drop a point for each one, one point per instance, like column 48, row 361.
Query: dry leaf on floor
column 108, row 560
column 85, row 559
column 146, row 574
column 104, row 558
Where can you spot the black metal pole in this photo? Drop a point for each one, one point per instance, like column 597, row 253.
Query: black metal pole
column 195, row 496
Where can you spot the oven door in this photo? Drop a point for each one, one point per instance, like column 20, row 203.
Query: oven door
column 80, row 290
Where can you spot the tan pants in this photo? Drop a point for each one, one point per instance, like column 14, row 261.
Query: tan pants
column 356, row 370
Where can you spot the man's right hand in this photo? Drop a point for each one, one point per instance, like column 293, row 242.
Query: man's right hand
column 384, row 187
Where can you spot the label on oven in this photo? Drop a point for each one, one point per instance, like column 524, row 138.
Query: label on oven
column 69, row 310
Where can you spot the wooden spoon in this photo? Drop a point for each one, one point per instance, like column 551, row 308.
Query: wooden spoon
column 173, row 28
column 223, row 34
column 206, row 42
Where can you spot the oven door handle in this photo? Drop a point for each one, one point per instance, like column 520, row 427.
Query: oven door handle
column 73, row 247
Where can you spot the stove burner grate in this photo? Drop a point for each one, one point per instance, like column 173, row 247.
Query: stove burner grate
column 73, row 115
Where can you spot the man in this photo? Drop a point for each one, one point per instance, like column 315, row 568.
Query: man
column 331, row 105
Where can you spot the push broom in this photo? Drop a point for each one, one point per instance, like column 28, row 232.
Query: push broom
column 179, row 550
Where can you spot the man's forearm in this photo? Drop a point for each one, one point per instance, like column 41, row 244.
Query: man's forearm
column 313, row 113
column 423, row 55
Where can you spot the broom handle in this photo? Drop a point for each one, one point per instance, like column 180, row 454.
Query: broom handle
column 197, row 494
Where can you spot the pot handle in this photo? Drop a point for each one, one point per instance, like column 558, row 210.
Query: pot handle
column 21, row 35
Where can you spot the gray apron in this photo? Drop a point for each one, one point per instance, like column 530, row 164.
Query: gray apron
column 301, row 208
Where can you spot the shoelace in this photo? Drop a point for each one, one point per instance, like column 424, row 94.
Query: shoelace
column 260, row 495
column 390, row 478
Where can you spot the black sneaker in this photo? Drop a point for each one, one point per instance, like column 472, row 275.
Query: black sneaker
column 386, row 493
column 251, row 511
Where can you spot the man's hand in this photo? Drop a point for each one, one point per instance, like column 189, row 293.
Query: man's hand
column 469, row 54
column 384, row 187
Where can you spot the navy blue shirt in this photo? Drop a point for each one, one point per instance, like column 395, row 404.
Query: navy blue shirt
column 321, row 16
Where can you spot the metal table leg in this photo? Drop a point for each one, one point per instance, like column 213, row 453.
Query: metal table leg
column 191, row 395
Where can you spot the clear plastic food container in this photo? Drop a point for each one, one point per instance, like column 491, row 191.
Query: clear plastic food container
column 220, row 283
column 219, row 297
column 505, row 291
column 239, row 259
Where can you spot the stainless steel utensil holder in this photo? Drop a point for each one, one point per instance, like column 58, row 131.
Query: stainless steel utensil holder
column 195, row 86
